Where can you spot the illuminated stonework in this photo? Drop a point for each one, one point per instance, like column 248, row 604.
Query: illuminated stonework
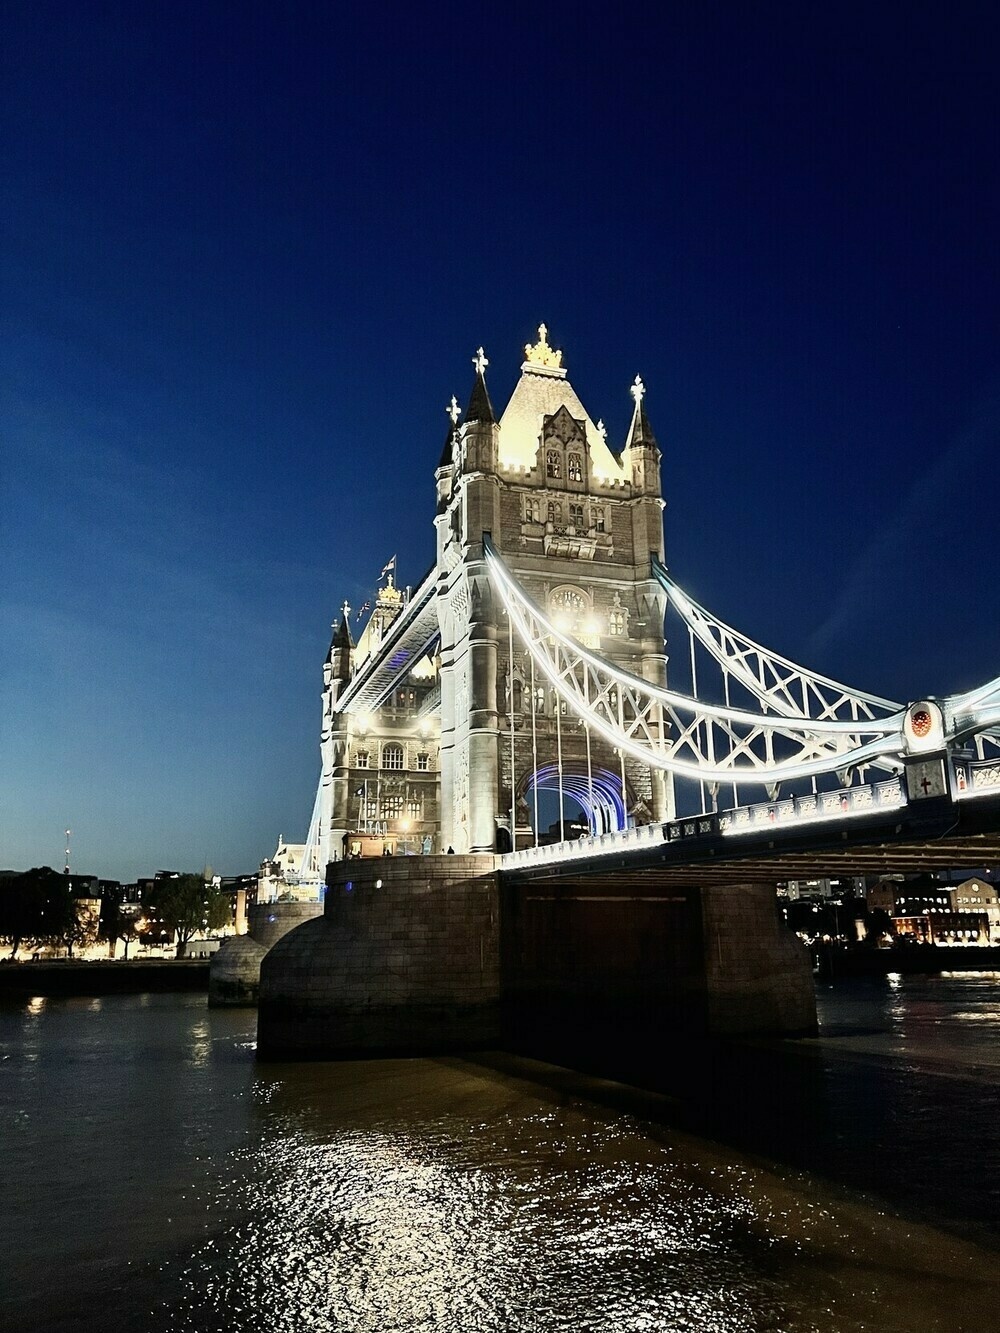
column 542, row 354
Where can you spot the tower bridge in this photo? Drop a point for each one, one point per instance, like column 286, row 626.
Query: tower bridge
column 526, row 676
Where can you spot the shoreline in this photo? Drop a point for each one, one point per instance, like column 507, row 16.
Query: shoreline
column 71, row 976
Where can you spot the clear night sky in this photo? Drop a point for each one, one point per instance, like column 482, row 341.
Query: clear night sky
column 250, row 249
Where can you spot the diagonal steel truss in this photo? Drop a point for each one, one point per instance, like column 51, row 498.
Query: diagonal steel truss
column 792, row 690
column 681, row 734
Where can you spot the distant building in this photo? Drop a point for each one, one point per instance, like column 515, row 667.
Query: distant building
column 931, row 911
column 282, row 876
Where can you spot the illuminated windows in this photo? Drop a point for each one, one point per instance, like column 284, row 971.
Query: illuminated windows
column 553, row 463
column 574, row 467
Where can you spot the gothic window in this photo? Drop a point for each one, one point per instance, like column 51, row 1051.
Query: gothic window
column 405, row 698
column 392, row 756
column 532, row 511
column 539, row 698
column 553, row 463
column 361, row 759
column 392, row 807
column 423, row 763
column 599, row 520
column 371, row 808
column 568, row 599
column 616, row 623
column 576, row 517
column 574, row 467
column 555, row 512
column 413, row 807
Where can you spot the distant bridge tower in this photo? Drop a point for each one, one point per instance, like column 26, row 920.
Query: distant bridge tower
column 578, row 528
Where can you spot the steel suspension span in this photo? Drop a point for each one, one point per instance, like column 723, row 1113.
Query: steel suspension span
column 805, row 725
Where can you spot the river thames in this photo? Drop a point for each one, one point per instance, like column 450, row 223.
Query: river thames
column 156, row 1178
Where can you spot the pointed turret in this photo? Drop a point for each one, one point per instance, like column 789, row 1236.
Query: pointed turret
column 341, row 647
column 480, row 435
column 444, row 475
column 480, row 408
column 640, row 432
column 342, row 638
column 641, row 447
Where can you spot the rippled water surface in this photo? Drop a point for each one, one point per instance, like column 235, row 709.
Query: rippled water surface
column 156, row 1178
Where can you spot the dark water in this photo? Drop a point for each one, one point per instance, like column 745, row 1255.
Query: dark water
column 155, row 1178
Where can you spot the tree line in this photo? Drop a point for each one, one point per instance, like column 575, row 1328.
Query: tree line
column 38, row 910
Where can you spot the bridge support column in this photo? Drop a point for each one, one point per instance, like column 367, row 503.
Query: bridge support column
column 404, row 960
column 758, row 975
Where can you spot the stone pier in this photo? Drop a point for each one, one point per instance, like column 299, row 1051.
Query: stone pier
column 234, row 972
column 435, row 953
column 405, row 959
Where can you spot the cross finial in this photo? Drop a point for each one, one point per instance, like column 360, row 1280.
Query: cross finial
column 543, row 335
column 480, row 361
column 346, row 610
column 453, row 410
column 638, row 390
column 602, row 430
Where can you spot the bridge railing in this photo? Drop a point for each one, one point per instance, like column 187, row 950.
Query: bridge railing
column 642, row 835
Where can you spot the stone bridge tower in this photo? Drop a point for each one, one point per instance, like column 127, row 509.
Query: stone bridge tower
column 577, row 526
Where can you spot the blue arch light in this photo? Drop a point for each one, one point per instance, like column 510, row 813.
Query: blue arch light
column 600, row 798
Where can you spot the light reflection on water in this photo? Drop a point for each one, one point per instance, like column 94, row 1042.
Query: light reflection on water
column 160, row 1181
column 378, row 1229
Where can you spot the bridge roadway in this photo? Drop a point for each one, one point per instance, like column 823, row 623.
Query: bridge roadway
column 711, row 849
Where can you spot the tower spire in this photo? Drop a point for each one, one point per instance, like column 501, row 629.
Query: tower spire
column 640, row 431
column 480, row 408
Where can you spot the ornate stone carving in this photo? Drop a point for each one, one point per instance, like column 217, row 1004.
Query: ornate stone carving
column 542, row 354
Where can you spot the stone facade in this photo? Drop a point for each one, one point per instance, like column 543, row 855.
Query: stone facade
column 406, row 958
column 429, row 766
column 234, row 972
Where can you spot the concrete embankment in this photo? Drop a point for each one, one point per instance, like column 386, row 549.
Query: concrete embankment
column 911, row 960
column 106, row 977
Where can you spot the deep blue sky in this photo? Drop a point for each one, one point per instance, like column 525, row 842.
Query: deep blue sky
column 249, row 250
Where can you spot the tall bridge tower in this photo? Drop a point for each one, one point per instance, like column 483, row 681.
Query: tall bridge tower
column 579, row 529
column 437, row 730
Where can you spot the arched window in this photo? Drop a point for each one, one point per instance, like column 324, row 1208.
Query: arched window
column 597, row 515
column 555, row 512
column 553, row 463
column 616, row 623
column 392, row 807
column 574, row 467
column 539, row 698
column 392, row 756
column 413, row 807
column 576, row 517
column 423, row 763
column 532, row 511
